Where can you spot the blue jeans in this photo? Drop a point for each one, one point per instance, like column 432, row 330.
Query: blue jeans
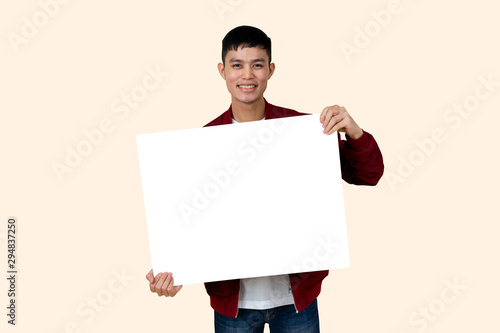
column 283, row 319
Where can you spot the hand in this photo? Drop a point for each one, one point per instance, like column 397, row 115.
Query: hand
column 162, row 284
column 335, row 118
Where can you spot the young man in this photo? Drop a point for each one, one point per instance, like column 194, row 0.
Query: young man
column 286, row 302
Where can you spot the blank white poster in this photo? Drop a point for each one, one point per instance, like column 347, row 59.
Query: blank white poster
column 244, row 200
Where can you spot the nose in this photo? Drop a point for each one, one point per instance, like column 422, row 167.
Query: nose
column 247, row 72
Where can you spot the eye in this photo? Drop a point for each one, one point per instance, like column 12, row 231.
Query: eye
column 236, row 65
column 258, row 65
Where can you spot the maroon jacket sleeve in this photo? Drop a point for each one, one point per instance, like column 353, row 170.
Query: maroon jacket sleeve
column 361, row 160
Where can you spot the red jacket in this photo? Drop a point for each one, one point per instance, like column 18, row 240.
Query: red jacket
column 361, row 164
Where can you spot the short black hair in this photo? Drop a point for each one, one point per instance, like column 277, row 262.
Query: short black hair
column 245, row 36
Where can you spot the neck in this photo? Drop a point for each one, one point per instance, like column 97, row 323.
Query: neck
column 243, row 112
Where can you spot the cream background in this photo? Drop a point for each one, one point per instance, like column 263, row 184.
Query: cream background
column 441, row 223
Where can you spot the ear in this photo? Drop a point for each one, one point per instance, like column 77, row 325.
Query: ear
column 272, row 67
column 220, row 67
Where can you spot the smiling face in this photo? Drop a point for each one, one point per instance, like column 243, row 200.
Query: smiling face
column 246, row 72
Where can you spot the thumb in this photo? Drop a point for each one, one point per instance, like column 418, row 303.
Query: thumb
column 150, row 276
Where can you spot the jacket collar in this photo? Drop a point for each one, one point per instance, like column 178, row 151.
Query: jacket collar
column 270, row 113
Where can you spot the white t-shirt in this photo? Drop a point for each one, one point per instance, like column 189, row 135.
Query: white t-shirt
column 265, row 292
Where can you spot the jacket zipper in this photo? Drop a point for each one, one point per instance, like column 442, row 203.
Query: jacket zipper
column 238, row 298
column 296, row 311
column 290, row 286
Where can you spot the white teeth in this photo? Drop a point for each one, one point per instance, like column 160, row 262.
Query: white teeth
column 247, row 87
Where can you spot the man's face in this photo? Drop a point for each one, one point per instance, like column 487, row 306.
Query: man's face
column 246, row 72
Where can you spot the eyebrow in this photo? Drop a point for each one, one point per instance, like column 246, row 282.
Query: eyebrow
column 254, row 60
